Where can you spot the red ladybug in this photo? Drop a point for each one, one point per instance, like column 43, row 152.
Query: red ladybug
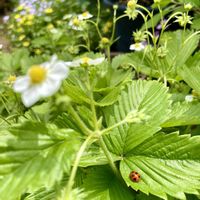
column 134, row 176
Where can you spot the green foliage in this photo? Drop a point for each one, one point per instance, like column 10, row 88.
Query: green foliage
column 151, row 99
column 101, row 183
column 95, row 156
column 35, row 156
column 168, row 165
column 111, row 115
column 183, row 114
column 191, row 76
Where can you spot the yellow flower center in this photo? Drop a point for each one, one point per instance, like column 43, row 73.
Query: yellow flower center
column 11, row 78
column 85, row 60
column 20, row 7
column 76, row 22
column 30, row 17
column 85, row 14
column 29, row 23
column 21, row 37
column 50, row 26
column 137, row 45
column 48, row 10
column 26, row 44
column 38, row 51
column 37, row 74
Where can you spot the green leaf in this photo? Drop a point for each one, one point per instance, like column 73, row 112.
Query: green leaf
column 183, row 114
column 40, row 41
column 193, row 2
column 110, row 98
column 42, row 194
column 180, row 46
column 75, row 93
column 34, row 155
column 191, row 76
column 101, row 183
column 95, row 156
column 151, row 99
column 168, row 165
column 196, row 23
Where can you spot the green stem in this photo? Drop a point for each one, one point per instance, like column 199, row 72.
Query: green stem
column 108, row 54
column 94, row 114
column 83, row 127
column 87, row 39
column 114, row 25
column 98, row 11
column 195, row 33
column 3, row 102
column 165, row 24
column 75, row 167
column 97, row 28
column 112, row 127
column 161, row 13
column 4, row 119
column 109, row 157
column 120, row 17
column 102, row 144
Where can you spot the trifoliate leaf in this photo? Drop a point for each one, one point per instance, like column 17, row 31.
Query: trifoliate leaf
column 147, row 103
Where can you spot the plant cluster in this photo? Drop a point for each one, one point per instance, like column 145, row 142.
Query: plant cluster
column 94, row 127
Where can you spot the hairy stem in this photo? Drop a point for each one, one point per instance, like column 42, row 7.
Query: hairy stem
column 75, row 167
column 109, row 157
column 112, row 127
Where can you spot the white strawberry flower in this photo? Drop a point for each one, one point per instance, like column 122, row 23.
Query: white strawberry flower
column 85, row 15
column 189, row 98
column 139, row 46
column 85, row 61
column 76, row 24
column 41, row 81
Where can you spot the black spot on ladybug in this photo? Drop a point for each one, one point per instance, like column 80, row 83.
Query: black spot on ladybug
column 134, row 176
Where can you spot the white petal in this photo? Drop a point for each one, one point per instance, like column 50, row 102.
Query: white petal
column 59, row 71
column 137, row 47
column 21, row 84
column 31, row 96
column 75, row 63
column 132, row 47
column 67, row 16
column 49, row 64
column 96, row 61
column 189, row 98
column 54, row 59
column 82, row 16
column 49, row 87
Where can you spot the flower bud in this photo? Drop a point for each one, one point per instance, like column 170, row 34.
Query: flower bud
column 132, row 4
column 188, row 6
